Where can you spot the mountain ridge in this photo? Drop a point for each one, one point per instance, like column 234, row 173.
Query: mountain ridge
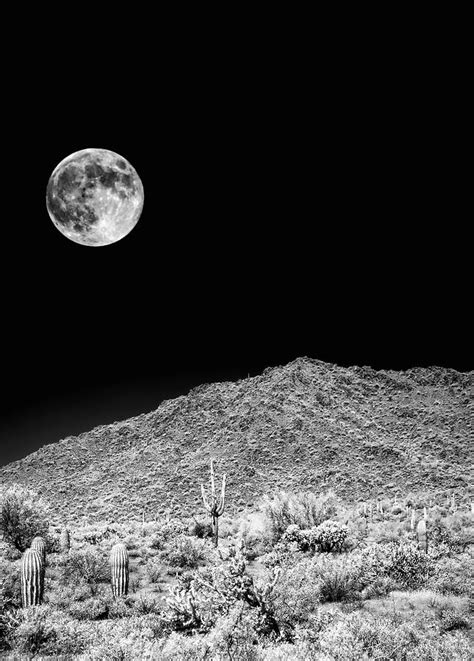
column 304, row 425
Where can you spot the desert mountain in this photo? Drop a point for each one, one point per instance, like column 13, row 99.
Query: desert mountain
column 306, row 425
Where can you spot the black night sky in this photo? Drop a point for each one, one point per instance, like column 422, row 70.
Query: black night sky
column 289, row 211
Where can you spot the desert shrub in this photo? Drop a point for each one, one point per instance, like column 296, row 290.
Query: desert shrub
column 98, row 533
column 213, row 592
column 184, row 552
column 362, row 636
column 339, row 577
column 154, row 569
column 450, row 616
column 10, row 589
column 454, row 575
column 62, row 596
column 329, row 536
column 407, row 565
column 251, row 530
column 304, row 509
column 201, row 529
column 94, row 608
column 86, row 565
column 23, row 516
column 146, row 604
column 455, row 532
column 295, row 597
column 34, row 633
column 167, row 531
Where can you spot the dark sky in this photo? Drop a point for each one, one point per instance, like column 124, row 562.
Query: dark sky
column 289, row 211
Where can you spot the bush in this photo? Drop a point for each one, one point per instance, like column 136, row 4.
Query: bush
column 212, row 593
column 88, row 566
column 403, row 562
column 454, row 576
column 184, row 552
column 94, row 608
column 339, row 578
column 305, row 510
column 296, row 597
column 201, row 529
column 329, row 536
column 34, row 634
column 10, row 590
column 23, row 516
column 154, row 569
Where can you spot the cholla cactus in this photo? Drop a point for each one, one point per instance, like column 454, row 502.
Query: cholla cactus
column 39, row 545
column 119, row 566
column 422, row 535
column 65, row 541
column 214, row 505
column 32, row 578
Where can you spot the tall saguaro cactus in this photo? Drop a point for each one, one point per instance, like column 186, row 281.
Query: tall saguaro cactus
column 119, row 570
column 32, row 578
column 39, row 545
column 214, row 505
column 422, row 535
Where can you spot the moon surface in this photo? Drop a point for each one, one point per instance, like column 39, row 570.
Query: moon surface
column 94, row 197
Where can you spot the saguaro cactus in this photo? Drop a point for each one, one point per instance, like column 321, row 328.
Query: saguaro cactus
column 214, row 505
column 119, row 570
column 32, row 578
column 422, row 535
column 412, row 520
column 65, row 541
column 39, row 545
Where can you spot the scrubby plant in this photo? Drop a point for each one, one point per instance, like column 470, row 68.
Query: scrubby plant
column 339, row 577
column 23, row 516
column 403, row 562
column 212, row 593
column 330, row 536
column 454, row 575
column 87, row 566
column 94, row 608
column 304, row 509
column 184, row 552
column 201, row 530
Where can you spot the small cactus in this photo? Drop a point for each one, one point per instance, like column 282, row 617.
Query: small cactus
column 32, row 578
column 39, row 545
column 119, row 570
column 422, row 535
column 65, row 541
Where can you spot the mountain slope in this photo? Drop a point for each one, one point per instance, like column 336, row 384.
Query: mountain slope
column 306, row 425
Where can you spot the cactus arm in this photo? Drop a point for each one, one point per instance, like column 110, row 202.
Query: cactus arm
column 204, row 499
column 220, row 508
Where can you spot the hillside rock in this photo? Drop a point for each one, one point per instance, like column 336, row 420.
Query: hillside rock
column 306, row 425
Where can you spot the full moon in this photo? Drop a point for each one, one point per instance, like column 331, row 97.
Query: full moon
column 94, row 197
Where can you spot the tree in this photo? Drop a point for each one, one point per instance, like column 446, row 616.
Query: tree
column 23, row 516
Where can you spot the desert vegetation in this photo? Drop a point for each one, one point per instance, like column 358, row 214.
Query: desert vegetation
column 301, row 576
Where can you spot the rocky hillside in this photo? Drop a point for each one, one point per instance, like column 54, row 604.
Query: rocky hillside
column 307, row 425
